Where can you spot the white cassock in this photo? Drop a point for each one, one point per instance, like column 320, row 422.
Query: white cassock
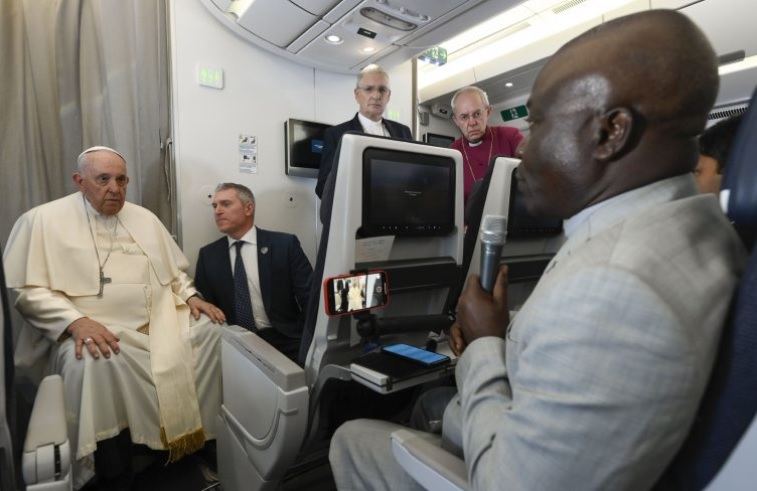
column 165, row 384
column 355, row 299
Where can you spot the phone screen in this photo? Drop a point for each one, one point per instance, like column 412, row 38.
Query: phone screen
column 354, row 293
column 419, row 355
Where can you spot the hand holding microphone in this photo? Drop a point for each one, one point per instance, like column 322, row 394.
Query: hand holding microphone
column 479, row 314
column 492, row 235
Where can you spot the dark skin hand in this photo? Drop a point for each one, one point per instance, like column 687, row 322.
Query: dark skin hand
column 456, row 342
column 480, row 314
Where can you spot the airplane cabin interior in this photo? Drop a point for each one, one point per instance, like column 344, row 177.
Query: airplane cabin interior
column 194, row 93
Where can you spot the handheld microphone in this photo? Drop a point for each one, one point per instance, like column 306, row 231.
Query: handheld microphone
column 493, row 233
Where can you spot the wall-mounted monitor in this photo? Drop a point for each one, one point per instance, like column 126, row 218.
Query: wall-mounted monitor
column 438, row 140
column 304, row 147
column 407, row 193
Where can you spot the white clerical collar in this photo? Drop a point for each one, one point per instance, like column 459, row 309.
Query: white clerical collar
column 251, row 237
column 369, row 123
column 109, row 220
column 474, row 145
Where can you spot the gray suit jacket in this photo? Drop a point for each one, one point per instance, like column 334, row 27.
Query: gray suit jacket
column 599, row 377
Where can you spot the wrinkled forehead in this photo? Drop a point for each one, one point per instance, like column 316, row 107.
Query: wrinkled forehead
column 103, row 161
column 470, row 98
column 374, row 79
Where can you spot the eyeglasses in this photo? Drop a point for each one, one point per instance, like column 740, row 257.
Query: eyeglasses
column 381, row 89
column 466, row 117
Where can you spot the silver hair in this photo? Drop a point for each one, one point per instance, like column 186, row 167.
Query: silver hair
column 372, row 68
column 243, row 192
column 470, row 88
column 82, row 161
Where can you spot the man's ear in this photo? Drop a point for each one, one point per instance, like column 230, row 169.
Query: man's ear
column 77, row 178
column 615, row 129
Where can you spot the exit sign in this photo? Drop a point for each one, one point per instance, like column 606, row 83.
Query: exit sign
column 210, row 76
column 514, row 113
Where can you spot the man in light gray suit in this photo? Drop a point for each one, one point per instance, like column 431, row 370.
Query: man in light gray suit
column 596, row 381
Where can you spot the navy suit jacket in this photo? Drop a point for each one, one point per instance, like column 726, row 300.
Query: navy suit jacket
column 331, row 141
column 285, row 275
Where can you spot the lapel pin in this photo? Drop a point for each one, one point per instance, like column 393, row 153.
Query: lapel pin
column 264, row 250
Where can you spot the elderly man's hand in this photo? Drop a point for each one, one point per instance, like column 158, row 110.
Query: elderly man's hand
column 480, row 314
column 199, row 306
column 93, row 336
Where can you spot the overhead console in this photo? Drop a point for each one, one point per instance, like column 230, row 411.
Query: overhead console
column 346, row 35
column 727, row 23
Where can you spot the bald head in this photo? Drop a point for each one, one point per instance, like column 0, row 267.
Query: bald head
column 657, row 62
column 617, row 108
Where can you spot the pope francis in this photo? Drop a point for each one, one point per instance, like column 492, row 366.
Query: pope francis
column 102, row 283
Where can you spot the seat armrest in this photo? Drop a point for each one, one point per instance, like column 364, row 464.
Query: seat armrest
column 48, row 420
column 430, row 465
column 47, row 453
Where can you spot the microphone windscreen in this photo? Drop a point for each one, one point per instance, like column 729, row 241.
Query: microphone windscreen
column 493, row 229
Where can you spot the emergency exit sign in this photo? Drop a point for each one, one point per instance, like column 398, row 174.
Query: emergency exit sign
column 514, row 113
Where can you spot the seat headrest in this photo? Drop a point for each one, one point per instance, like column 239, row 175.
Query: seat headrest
column 739, row 189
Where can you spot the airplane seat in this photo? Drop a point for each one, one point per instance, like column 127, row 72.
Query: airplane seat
column 264, row 413
column 272, row 407
column 472, row 215
column 46, row 461
column 46, row 458
column 530, row 243
column 421, row 264
column 719, row 451
column 7, row 461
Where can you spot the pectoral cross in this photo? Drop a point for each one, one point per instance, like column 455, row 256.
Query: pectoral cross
column 103, row 281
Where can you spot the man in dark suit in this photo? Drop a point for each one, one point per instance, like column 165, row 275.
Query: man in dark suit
column 269, row 293
column 372, row 94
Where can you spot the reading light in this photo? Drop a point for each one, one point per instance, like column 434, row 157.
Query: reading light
column 509, row 84
column 368, row 49
column 334, row 39
column 386, row 19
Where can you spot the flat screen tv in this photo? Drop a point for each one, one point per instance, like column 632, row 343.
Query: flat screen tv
column 304, row 147
column 521, row 223
column 407, row 194
column 437, row 140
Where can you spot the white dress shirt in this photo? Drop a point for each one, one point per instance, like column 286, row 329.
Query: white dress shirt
column 372, row 127
column 250, row 259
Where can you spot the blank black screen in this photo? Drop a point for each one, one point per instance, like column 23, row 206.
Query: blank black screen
column 521, row 223
column 443, row 141
column 305, row 143
column 407, row 194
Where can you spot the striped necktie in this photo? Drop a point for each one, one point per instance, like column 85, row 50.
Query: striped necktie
column 242, row 301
